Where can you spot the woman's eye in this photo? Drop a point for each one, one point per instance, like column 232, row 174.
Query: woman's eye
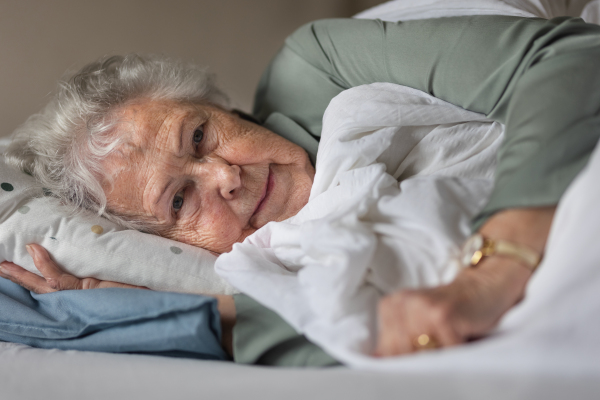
column 178, row 201
column 198, row 135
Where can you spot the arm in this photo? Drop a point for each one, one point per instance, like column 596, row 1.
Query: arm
column 437, row 56
column 474, row 302
column 537, row 77
column 262, row 337
column 54, row 280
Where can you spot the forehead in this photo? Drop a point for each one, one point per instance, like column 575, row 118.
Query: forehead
column 148, row 125
column 149, row 133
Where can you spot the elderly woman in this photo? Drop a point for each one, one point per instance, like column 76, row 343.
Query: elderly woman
column 151, row 145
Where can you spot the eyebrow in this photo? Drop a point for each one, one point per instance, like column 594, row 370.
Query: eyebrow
column 165, row 189
column 181, row 131
column 179, row 154
column 182, row 125
column 171, row 180
column 189, row 119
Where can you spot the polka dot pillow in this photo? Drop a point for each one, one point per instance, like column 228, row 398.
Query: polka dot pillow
column 89, row 246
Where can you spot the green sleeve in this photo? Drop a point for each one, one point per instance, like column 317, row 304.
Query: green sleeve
column 538, row 77
column 260, row 336
column 447, row 58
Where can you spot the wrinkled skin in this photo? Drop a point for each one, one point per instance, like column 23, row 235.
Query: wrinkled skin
column 215, row 185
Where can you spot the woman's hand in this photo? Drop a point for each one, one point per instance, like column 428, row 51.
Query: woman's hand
column 53, row 278
column 451, row 314
column 473, row 304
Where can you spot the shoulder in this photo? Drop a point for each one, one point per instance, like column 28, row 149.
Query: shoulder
column 318, row 36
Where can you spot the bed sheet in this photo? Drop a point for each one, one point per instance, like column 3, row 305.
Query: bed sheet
column 74, row 375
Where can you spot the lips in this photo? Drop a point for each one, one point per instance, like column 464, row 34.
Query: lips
column 266, row 192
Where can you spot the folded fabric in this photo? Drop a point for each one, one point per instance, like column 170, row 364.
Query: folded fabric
column 112, row 320
column 362, row 234
column 330, row 292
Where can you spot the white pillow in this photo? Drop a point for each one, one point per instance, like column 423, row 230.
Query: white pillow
column 90, row 246
column 404, row 10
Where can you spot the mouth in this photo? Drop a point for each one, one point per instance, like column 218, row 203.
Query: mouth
column 266, row 192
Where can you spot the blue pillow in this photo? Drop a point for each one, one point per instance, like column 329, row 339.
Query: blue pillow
column 112, row 320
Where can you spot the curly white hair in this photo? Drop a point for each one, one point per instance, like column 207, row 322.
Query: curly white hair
column 63, row 145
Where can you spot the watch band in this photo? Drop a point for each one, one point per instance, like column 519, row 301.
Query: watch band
column 477, row 247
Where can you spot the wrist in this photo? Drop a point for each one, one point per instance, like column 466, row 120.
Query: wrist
column 226, row 307
column 525, row 226
column 504, row 278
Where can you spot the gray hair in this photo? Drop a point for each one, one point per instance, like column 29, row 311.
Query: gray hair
column 64, row 144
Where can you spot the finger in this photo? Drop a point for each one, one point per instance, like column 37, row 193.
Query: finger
column 446, row 335
column 110, row 284
column 432, row 322
column 393, row 337
column 386, row 325
column 22, row 277
column 391, row 344
column 54, row 276
column 60, row 280
column 43, row 262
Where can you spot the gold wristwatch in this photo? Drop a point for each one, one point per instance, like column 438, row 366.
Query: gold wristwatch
column 477, row 247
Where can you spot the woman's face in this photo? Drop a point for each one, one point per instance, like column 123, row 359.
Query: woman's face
column 204, row 175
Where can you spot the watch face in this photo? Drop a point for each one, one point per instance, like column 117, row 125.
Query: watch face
column 471, row 246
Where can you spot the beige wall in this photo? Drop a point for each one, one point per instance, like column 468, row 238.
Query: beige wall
column 40, row 39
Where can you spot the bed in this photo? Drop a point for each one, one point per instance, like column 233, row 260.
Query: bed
column 28, row 373
column 563, row 362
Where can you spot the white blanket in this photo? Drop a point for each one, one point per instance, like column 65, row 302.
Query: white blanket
column 363, row 235
column 405, row 10
column 324, row 269
column 305, row 270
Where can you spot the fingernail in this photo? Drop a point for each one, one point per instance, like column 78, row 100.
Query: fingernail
column 4, row 270
column 30, row 250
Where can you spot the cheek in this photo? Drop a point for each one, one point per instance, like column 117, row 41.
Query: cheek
column 302, row 184
column 246, row 152
column 217, row 231
column 256, row 145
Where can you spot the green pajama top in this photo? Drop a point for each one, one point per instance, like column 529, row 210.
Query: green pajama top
column 540, row 78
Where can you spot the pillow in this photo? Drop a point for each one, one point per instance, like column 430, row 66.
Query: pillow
column 90, row 246
column 405, row 10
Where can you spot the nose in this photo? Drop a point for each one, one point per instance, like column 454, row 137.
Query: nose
column 227, row 179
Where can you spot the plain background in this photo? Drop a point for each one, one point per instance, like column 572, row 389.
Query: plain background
column 235, row 39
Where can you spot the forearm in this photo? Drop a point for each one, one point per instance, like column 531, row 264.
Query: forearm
column 527, row 227
column 504, row 278
column 226, row 307
column 473, row 303
column 263, row 337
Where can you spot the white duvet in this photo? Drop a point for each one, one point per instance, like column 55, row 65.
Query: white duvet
column 363, row 234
